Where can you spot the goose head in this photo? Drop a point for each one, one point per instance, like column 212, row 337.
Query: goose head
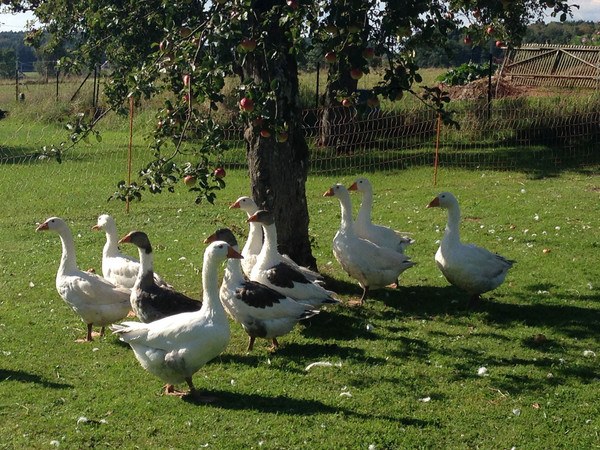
column 104, row 222
column 222, row 234
column 220, row 251
column 138, row 238
column 443, row 200
column 337, row 190
column 52, row 224
column 361, row 185
column 263, row 217
column 245, row 204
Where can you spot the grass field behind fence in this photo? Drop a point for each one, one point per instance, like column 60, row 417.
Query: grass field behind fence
column 410, row 379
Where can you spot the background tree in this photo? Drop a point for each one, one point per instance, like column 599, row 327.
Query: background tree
column 184, row 49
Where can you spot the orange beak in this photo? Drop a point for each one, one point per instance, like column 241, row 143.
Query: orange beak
column 231, row 253
column 125, row 239
column 434, row 202
column 42, row 227
column 328, row 193
column 211, row 238
column 235, row 205
column 354, row 187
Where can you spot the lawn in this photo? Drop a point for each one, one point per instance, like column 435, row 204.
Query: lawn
column 406, row 368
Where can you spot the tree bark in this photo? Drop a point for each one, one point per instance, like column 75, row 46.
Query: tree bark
column 279, row 170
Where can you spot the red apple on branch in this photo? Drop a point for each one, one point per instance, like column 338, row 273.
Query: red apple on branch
column 356, row 74
column 246, row 104
column 265, row 133
column 292, row 4
column 467, row 40
column 330, row 57
column 499, row 44
column 219, row 172
column 189, row 180
column 490, row 30
column 186, row 80
column 248, row 45
column 347, row 102
column 368, row 53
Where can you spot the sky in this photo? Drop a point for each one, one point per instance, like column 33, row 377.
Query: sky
column 589, row 10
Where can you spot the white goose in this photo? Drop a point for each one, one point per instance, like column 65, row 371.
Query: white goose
column 176, row 347
column 365, row 229
column 472, row 268
column 372, row 266
column 284, row 278
column 261, row 311
column 96, row 300
column 255, row 238
column 255, row 241
column 119, row 269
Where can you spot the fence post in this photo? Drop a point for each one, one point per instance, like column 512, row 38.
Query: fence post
column 57, row 75
column 17, row 81
column 317, row 89
column 489, row 105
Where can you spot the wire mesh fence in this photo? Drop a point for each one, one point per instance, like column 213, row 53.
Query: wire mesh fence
column 500, row 136
column 513, row 134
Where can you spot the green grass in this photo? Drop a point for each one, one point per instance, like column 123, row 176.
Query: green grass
column 410, row 382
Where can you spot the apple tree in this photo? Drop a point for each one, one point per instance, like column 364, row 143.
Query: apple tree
column 184, row 50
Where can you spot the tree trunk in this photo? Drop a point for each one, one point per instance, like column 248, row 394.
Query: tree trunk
column 278, row 170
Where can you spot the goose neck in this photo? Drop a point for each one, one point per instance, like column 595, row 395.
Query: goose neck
column 452, row 233
column 112, row 241
column 146, row 270
column 366, row 205
column 68, row 260
column 346, row 206
column 269, row 247
column 255, row 240
column 211, row 304
column 234, row 275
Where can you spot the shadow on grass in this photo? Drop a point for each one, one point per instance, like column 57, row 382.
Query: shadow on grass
column 285, row 405
column 24, row 377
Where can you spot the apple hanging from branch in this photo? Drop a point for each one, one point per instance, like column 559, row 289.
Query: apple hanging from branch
column 356, row 74
column 330, row 57
column 189, row 180
column 246, row 104
column 248, row 45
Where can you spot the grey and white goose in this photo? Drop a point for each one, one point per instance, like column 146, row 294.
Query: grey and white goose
column 255, row 242
column 150, row 301
column 261, row 311
column 271, row 271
